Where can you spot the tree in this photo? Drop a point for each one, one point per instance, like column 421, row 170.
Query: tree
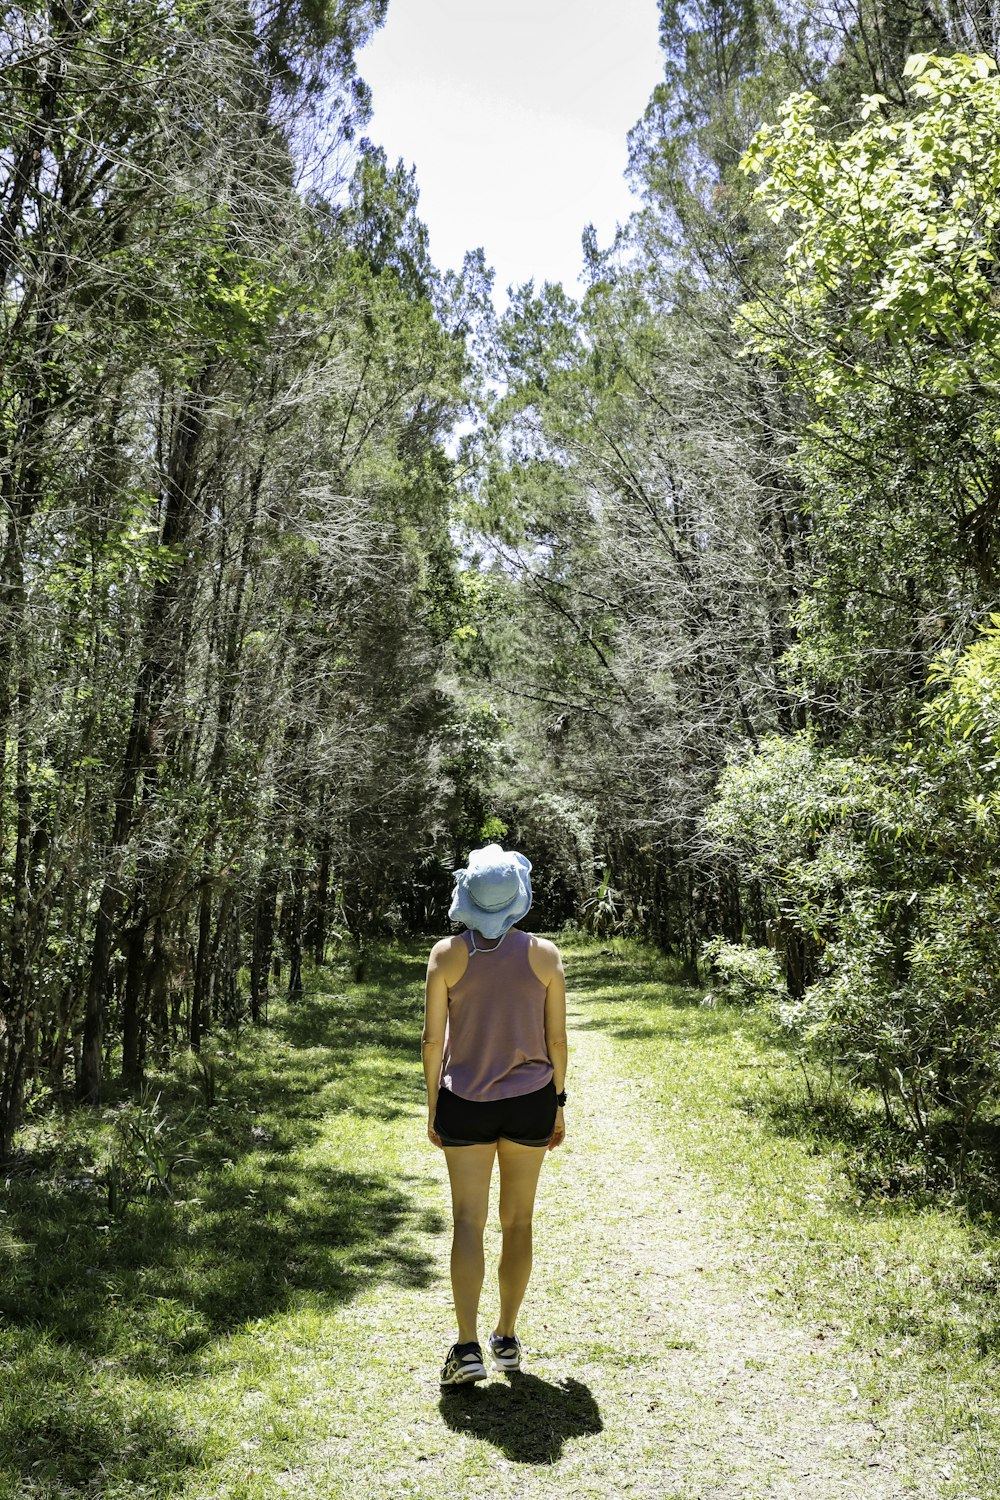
column 884, row 321
column 225, row 552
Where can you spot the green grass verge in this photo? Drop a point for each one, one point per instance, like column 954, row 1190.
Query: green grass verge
column 247, row 1336
column 146, row 1338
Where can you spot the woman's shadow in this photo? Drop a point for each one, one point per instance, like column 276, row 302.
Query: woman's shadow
column 528, row 1419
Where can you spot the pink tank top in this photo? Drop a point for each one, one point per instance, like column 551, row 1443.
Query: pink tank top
column 494, row 1044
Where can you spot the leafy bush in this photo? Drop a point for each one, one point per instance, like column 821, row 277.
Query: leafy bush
column 604, row 910
column 883, row 879
column 744, row 975
column 146, row 1149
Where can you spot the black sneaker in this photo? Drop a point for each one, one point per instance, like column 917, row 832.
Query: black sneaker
column 463, row 1364
column 506, row 1351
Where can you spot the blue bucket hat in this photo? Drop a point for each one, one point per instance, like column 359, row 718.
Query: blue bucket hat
column 493, row 892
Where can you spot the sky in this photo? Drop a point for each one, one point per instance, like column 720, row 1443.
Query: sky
column 515, row 114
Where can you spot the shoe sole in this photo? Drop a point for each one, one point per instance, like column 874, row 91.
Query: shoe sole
column 466, row 1373
column 470, row 1379
column 506, row 1363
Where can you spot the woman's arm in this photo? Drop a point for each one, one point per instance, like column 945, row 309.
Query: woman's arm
column 432, row 1041
column 555, row 1036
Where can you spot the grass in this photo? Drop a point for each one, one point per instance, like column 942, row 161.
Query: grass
column 136, row 1342
column 275, row 1325
column 907, row 1280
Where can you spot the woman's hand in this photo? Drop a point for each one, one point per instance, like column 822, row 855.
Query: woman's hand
column 558, row 1132
column 432, row 1134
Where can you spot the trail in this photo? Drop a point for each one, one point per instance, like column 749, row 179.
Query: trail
column 656, row 1367
column 720, row 1398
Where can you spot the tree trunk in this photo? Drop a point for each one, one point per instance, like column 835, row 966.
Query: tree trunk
column 200, row 1017
column 132, row 1019
column 320, row 900
column 15, row 1038
column 293, row 932
column 159, row 669
column 263, row 944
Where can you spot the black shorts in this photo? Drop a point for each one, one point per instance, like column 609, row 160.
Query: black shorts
column 527, row 1119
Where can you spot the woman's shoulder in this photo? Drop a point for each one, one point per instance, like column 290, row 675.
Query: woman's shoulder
column 450, row 956
column 544, row 957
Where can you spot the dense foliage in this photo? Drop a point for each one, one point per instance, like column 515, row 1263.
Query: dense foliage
column 315, row 571
column 225, row 565
column 745, row 492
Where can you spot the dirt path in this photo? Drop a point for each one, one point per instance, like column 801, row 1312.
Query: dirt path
column 725, row 1400
column 655, row 1370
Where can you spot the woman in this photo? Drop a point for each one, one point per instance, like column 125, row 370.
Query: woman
column 494, row 1051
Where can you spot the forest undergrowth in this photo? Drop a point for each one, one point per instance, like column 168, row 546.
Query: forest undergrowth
column 238, row 1286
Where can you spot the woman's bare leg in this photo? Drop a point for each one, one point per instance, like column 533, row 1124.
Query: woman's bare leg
column 470, row 1169
column 519, row 1169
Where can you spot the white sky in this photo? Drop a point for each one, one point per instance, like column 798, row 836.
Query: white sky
column 515, row 115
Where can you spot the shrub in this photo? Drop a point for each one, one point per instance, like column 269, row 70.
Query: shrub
column 883, row 877
column 744, row 975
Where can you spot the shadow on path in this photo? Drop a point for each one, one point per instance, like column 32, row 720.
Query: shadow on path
column 528, row 1419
